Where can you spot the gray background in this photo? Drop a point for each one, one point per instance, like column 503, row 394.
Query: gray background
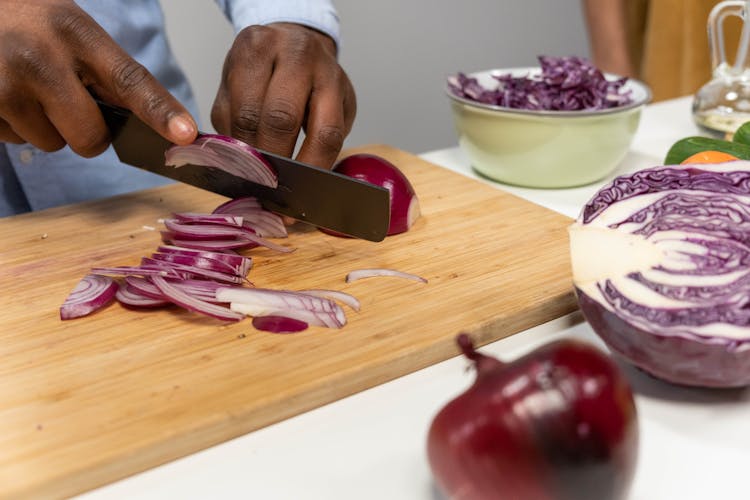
column 398, row 53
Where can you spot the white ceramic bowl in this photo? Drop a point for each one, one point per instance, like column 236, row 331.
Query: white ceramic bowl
column 545, row 149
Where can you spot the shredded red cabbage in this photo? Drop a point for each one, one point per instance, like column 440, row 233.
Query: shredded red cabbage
column 564, row 84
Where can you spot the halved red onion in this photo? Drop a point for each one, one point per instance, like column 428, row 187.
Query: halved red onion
column 225, row 153
column 369, row 273
column 405, row 208
column 179, row 297
column 91, row 293
column 279, row 324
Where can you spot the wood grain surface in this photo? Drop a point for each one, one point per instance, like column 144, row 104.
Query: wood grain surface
column 92, row 400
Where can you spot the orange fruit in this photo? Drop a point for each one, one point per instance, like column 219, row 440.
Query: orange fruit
column 709, row 157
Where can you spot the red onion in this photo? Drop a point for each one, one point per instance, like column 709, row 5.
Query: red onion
column 190, row 302
column 239, row 263
column 130, row 296
column 198, row 271
column 311, row 309
column 558, row 423
column 343, row 297
column 265, row 223
column 278, row 324
column 225, row 153
column 370, row 273
column 225, row 219
column 207, row 245
column 90, row 294
column 379, row 171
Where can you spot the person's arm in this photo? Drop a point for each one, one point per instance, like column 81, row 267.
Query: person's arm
column 51, row 55
column 282, row 76
column 606, row 23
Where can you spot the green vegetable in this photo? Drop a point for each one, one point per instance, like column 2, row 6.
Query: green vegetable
column 742, row 135
column 685, row 148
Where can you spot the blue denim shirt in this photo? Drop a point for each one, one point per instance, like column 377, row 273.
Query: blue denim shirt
column 31, row 179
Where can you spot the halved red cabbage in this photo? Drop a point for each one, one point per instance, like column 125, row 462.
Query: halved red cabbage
column 564, row 84
column 661, row 267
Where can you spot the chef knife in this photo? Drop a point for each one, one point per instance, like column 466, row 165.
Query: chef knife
column 310, row 194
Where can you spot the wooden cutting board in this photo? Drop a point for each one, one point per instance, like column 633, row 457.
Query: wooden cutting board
column 92, row 400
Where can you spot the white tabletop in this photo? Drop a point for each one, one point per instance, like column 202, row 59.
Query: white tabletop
column 695, row 444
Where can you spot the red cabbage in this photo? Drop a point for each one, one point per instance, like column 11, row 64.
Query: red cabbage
column 564, row 84
column 661, row 266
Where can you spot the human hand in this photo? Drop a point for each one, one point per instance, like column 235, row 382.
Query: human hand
column 282, row 78
column 51, row 54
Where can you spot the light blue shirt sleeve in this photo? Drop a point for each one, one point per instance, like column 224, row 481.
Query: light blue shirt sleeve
column 33, row 180
column 318, row 14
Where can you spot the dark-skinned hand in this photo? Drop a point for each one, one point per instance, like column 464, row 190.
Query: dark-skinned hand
column 281, row 79
column 51, row 54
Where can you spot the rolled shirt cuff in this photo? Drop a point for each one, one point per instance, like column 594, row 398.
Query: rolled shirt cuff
column 317, row 14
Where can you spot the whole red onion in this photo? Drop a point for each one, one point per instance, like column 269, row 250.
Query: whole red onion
column 558, row 423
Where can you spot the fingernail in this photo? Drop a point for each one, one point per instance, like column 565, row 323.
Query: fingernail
column 182, row 128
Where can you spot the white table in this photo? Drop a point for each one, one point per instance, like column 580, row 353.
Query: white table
column 695, row 444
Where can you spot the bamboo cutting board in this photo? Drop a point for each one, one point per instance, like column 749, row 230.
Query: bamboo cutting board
column 92, row 400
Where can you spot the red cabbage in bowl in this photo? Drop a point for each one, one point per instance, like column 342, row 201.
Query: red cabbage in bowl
column 564, row 84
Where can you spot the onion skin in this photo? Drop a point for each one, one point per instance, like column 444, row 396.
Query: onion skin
column 679, row 360
column 558, row 423
column 379, row 171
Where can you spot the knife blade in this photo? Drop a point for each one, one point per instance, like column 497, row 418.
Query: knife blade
column 310, row 194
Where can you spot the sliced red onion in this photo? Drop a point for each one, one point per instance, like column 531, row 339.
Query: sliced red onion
column 137, row 271
column 223, row 219
column 217, row 232
column 225, row 153
column 143, row 287
column 343, row 297
column 240, row 265
column 200, row 289
column 238, row 205
column 204, row 231
column 191, row 270
column 182, row 299
column 278, row 324
column 90, row 294
column 196, row 261
column 313, row 310
column 129, row 296
column 369, row 273
column 208, row 245
column 264, row 222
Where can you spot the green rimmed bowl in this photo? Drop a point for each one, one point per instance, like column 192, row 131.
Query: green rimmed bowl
column 545, row 149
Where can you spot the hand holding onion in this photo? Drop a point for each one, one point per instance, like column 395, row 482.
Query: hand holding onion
column 558, row 423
